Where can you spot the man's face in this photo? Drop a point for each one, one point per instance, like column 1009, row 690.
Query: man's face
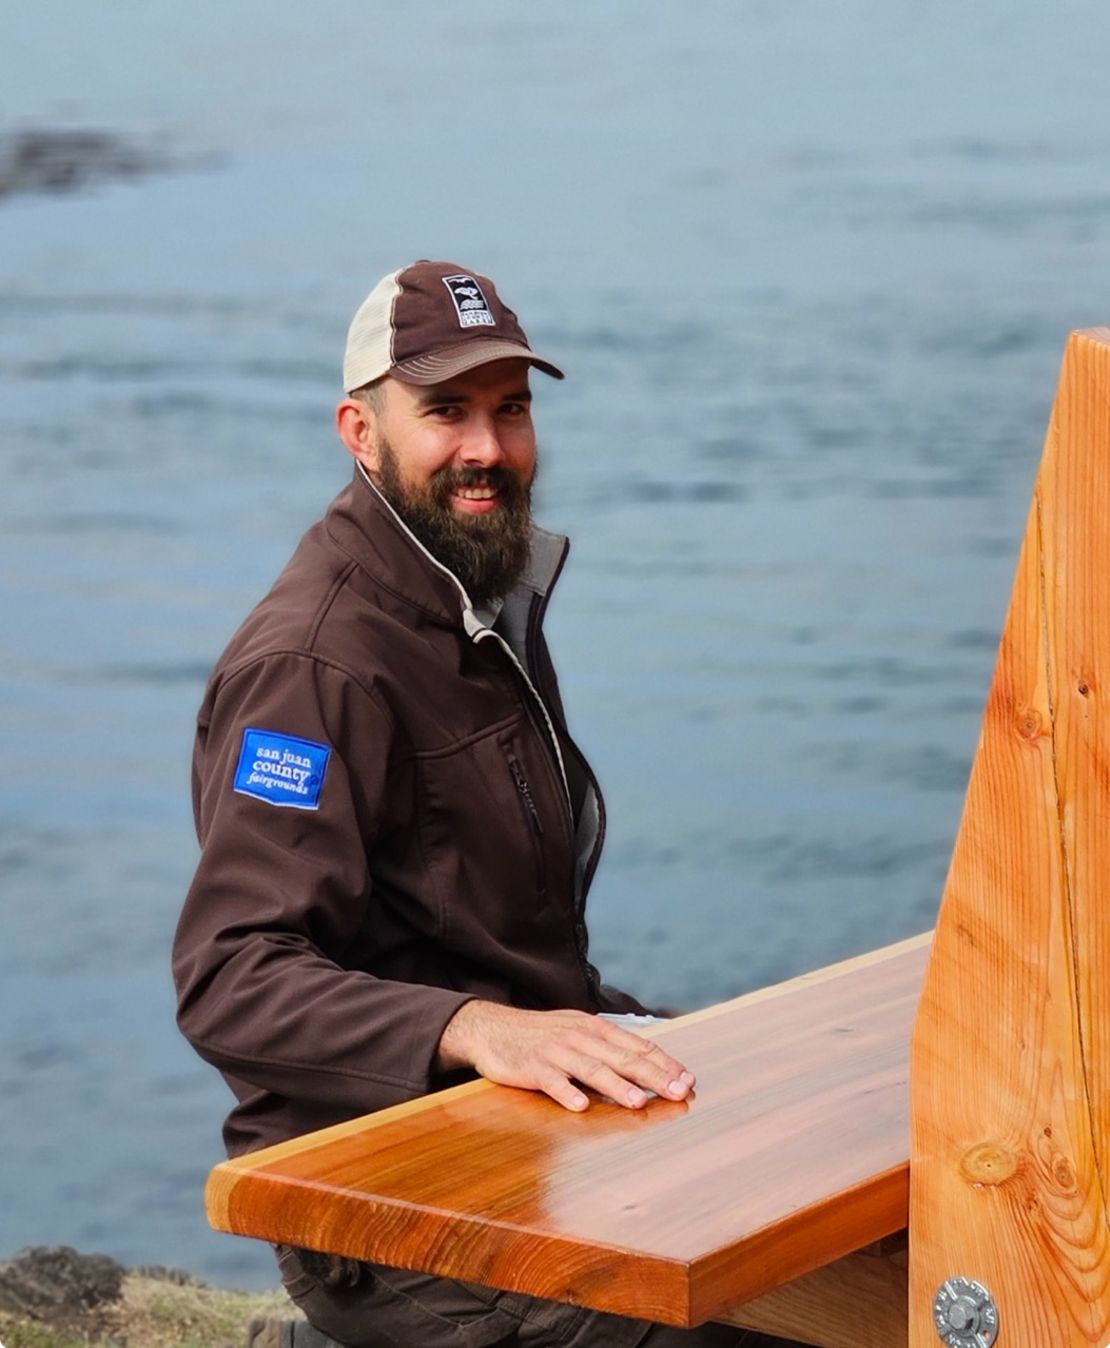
column 456, row 461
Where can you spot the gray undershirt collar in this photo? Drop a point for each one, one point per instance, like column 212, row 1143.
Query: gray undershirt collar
column 487, row 614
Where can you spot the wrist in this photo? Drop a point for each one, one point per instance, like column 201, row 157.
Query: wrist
column 456, row 1043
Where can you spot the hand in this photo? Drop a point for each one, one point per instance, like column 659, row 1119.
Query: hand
column 551, row 1050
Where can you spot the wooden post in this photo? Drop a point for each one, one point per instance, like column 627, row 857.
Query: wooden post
column 1010, row 1060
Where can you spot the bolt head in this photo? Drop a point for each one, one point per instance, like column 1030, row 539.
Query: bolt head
column 962, row 1315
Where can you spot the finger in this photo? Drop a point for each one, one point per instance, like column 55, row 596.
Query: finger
column 640, row 1044
column 562, row 1090
column 643, row 1062
column 601, row 1078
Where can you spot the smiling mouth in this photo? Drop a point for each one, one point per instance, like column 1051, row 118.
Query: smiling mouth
column 473, row 491
column 477, row 493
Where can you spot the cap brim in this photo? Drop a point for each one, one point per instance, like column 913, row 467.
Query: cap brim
column 437, row 366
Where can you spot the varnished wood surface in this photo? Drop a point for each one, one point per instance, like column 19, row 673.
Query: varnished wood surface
column 792, row 1153
column 1011, row 1056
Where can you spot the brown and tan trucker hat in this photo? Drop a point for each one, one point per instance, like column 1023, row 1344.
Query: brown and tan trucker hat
column 429, row 322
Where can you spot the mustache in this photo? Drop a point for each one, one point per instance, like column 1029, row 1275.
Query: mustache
column 499, row 478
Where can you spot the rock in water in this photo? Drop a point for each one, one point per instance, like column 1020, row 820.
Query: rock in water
column 55, row 160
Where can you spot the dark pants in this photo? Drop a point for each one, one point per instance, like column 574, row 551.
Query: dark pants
column 360, row 1305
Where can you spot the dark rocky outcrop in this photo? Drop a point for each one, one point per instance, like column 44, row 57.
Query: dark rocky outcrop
column 41, row 159
column 56, row 1284
column 54, row 1297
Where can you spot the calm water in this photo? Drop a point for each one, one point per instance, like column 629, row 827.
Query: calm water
column 810, row 271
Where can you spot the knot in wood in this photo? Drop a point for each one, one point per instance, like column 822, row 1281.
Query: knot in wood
column 1029, row 723
column 988, row 1163
column 1063, row 1173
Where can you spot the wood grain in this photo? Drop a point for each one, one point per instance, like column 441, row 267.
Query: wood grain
column 1011, row 1051
column 792, row 1153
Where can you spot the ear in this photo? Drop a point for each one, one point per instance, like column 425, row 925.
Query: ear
column 357, row 426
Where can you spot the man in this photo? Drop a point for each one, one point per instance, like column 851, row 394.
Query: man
column 398, row 832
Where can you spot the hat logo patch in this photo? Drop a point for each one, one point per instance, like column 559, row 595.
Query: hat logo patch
column 470, row 303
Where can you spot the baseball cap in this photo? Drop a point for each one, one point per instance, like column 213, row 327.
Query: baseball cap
column 429, row 322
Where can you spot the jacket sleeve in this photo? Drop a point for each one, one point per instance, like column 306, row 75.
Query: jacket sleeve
column 283, row 885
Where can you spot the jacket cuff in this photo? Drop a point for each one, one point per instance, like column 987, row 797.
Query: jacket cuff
column 428, row 1028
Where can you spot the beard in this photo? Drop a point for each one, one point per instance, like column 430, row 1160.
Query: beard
column 488, row 552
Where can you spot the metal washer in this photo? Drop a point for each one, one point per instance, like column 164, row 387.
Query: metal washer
column 964, row 1314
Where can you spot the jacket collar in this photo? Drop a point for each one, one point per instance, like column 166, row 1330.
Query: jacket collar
column 363, row 523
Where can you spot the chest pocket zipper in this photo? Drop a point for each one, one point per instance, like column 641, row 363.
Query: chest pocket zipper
column 535, row 824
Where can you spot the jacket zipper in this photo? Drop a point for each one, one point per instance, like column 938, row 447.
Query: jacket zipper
column 590, row 974
column 524, row 791
column 526, row 795
column 534, row 624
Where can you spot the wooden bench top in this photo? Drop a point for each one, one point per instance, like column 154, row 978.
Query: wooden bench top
column 793, row 1151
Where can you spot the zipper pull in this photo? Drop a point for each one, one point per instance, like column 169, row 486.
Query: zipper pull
column 526, row 794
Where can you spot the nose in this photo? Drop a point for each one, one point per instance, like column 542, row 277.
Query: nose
column 481, row 446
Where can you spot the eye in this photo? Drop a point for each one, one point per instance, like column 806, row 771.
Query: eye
column 445, row 411
column 514, row 410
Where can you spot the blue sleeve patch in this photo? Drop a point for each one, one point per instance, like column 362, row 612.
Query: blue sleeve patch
column 281, row 769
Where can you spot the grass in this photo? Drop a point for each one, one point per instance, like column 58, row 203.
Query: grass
column 154, row 1313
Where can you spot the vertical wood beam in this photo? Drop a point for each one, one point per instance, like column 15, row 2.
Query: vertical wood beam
column 1010, row 1059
